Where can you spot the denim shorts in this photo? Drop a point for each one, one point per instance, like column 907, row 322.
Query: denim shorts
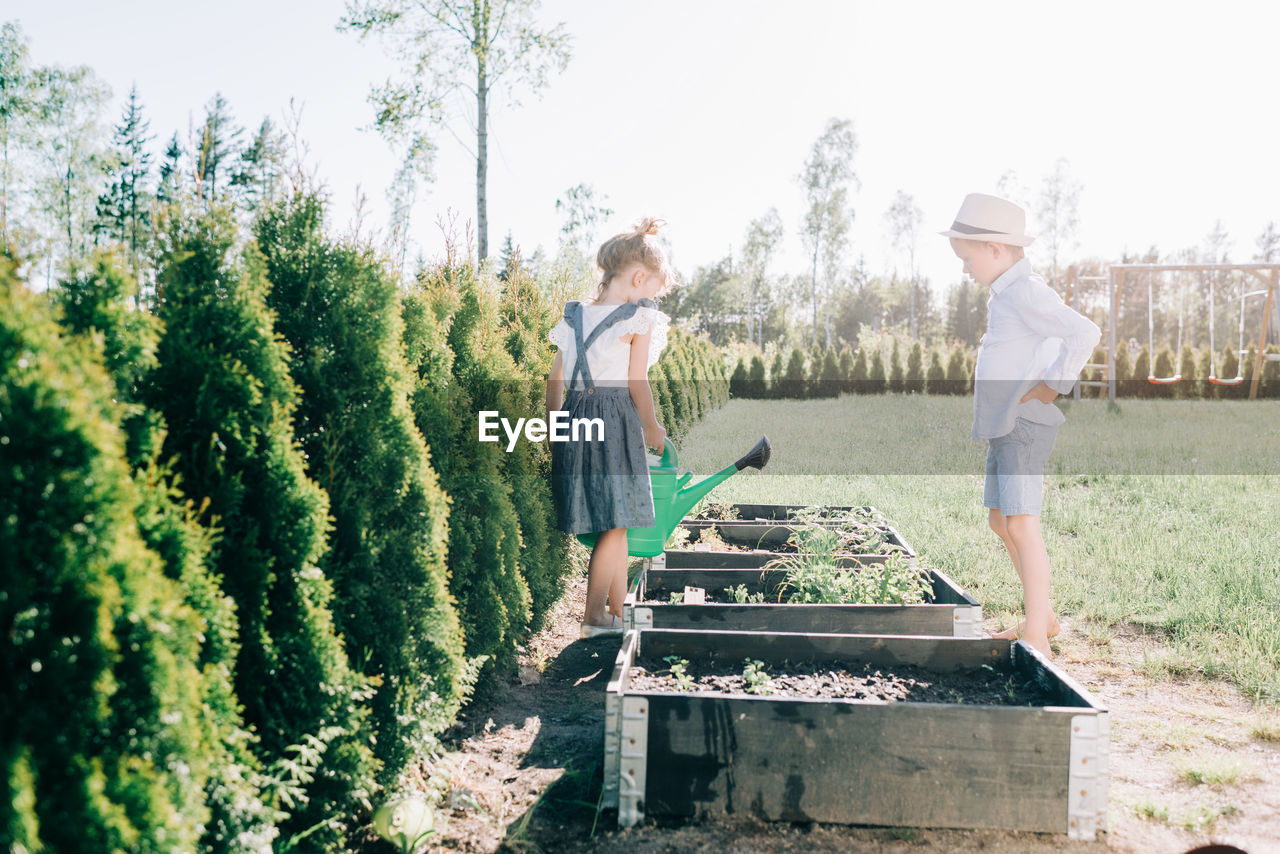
column 1015, row 468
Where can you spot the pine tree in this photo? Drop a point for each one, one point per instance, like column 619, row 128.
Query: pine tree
column 258, row 179
column 124, row 209
column 339, row 311
column 168, row 185
column 220, row 150
column 224, row 390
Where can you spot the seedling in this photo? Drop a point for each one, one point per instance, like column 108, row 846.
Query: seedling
column 677, row 597
column 679, row 672
column 758, row 681
column 742, row 597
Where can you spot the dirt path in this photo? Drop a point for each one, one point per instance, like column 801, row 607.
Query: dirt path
column 1191, row 763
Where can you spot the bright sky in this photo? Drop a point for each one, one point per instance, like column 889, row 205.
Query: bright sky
column 704, row 112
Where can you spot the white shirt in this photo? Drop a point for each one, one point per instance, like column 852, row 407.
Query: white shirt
column 1031, row 336
column 608, row 358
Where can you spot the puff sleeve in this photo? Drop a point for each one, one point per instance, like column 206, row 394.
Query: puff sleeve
column 648, row 320
column 561, row 336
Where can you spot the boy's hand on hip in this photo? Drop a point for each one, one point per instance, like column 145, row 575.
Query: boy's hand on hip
column 1042, row 393
column 655, row 436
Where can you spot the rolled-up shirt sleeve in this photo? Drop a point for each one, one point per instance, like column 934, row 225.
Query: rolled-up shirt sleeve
column 1045, row 313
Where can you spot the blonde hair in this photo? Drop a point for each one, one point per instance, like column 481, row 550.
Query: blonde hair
column 634, row 247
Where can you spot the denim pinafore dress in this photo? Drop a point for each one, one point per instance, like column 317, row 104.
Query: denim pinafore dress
column 601, row 483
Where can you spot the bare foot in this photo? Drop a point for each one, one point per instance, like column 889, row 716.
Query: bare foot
column 1043, row 647
column 1016, row 632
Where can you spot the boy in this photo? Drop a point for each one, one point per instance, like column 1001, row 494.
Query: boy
column 1033, row 350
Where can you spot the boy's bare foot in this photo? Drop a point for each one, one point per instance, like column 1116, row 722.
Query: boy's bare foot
column 1016, row 632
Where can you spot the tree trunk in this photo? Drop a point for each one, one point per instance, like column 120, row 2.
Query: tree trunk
column 813, row 287
column 482, row 144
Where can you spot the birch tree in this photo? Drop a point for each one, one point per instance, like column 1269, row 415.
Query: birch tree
column 764, row 234
column 453, row 50
column 825, row 180
column 903, row 219
column 1057, row 210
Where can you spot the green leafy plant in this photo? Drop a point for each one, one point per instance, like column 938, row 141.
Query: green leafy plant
column 813, row 576
column 742, row 597
column 678, row 539
column 758, row 681
column 677, row 597
column 679, row 672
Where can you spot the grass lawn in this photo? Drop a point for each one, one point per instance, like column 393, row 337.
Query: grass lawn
column 1146, row 519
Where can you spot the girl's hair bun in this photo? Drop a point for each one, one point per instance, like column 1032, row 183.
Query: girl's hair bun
column 649, row 225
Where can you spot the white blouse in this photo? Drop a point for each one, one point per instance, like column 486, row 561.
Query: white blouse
column 608, row 358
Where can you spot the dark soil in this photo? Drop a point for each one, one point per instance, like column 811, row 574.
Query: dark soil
column 832, row 680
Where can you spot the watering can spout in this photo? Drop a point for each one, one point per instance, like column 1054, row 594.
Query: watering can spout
column 687, row 496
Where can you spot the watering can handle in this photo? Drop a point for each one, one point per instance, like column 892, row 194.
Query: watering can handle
column 668, row 454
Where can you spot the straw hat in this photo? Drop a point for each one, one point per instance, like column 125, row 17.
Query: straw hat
column 990, row 218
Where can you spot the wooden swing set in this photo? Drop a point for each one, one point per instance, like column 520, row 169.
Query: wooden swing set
column 1268, row 274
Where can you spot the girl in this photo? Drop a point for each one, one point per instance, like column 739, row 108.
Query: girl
column 605, row 348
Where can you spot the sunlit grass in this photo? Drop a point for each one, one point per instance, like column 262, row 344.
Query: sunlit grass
column 1189, row 558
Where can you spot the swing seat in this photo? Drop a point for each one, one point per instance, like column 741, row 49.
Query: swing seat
column 1154, row 380
column 1221, row 381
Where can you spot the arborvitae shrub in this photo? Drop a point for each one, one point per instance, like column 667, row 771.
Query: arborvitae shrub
column 755, row 387
column 1141, row 370
column 914, row 381
column 484, row 538
column 1187, row 368
column 1269, row 386
column 1124, row 373
column 1164, row 370
column 936, row 378
column 224, row 389
column 1203, row 388
column 897, row 377
column 101, row 742
column 877, row 382
column 830, row 378
column 339, row 310
column 813, row 385
column 793, row 381
column 96, row 301
column 544, row 554
column 956, row 371
column 858, row 373
column 738, row 382
column 777, row 371
column 845, row 368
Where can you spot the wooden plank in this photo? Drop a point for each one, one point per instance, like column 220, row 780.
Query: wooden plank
column 942, row 654
column 808, row 619
column 754, row 559
column 757, row 535
column 1030, row 664
column 905, row 764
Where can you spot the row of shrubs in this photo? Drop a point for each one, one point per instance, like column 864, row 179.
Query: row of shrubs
column 253, row 558
column 824, row 372
column 828, row 373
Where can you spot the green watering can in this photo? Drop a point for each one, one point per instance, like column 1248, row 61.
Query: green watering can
column 672, row 497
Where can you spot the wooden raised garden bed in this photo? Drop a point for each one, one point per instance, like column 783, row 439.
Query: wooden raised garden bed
column 768, row 526
column 923, row 761
column 948, row 610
